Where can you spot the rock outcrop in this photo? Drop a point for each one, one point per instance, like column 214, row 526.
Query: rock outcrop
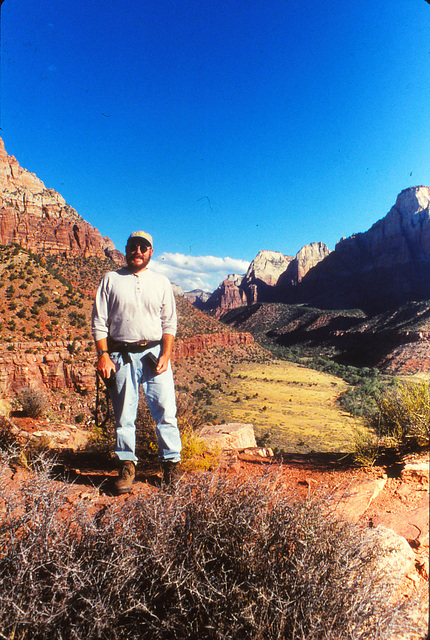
column 200, row 343
column 39, row 219
column 307, row 258
column 271, row 276
column 229, row 295
column 228, row 436
column 49, row 367
column 383, row 267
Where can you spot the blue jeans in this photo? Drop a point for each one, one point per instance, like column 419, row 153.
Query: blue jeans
column 133, row 370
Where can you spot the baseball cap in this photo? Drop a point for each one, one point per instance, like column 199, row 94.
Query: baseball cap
column 140, row 234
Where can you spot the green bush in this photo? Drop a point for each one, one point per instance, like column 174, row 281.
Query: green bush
column 360, row 400
column 219, row 559
column 366, row 446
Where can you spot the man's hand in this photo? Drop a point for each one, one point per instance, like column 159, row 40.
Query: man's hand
column 163, row 363
column 166, row 351
column 105, row 366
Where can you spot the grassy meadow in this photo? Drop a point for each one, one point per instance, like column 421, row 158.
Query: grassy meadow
column 291, row 407
column 296, row 406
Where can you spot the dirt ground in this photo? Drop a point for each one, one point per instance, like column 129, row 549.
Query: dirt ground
column 298, row 406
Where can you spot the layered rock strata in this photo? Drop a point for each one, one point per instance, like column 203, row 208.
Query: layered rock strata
column 50, row 365
column 47, row 365
column 200, row 343
column 39, row 219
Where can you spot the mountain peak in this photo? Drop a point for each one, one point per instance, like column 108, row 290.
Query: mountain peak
column 413, row 199
column 39, row 219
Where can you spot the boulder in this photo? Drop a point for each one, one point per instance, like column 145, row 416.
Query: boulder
column 396, row 558
column 229, row 436
column 416, row 470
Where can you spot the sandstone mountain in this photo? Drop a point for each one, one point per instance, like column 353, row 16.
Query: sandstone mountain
column 267, row 267
column 229, row 295
column 39, row 219
column 383, row 267
column 307, row 258
column 271, row 276
column 263, row 274
column 197, row 297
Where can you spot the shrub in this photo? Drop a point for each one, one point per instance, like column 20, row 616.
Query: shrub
column 41, row 300
column 404, row 414
column 195, row 454
column 217, row 560
column 360, row 400
column 32, row 401
column 366, row 446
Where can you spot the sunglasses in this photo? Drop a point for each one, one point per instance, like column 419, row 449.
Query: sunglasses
column 132, row 246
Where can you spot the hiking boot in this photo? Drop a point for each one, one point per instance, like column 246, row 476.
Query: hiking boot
column 125, row 477
column 171, row 472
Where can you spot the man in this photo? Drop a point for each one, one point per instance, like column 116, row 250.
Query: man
column 134, row 326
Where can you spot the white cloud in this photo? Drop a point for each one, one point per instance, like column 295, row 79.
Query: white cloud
column 197, row 272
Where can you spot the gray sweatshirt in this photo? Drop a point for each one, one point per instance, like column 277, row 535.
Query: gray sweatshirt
column 131, row 307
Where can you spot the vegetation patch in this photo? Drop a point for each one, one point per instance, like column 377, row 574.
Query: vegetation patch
column 292, row 407
column 220, row 559
column 403, row 415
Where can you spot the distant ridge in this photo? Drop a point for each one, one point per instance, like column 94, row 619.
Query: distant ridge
column 384, row 267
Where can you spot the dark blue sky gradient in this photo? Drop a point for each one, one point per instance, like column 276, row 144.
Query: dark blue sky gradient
column 221, row 127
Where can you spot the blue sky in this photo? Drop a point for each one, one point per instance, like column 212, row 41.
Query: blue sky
column 221, row 127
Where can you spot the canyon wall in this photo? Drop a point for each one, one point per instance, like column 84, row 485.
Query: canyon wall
column 383, row 267
column 39, row 219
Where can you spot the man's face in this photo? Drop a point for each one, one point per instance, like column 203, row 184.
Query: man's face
column 138, row 254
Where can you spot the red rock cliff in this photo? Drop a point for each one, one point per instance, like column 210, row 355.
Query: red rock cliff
column 197, row 344
column 39, row 219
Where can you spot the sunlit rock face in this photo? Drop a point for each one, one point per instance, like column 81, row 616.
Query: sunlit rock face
column 271, row 276
column 39, row 219
column 267, row 267
column 307, row 258
column 229, row 295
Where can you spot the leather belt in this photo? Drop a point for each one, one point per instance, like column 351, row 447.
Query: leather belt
column 133, row 347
